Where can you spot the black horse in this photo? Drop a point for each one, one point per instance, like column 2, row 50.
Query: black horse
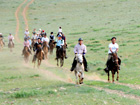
column 114, row 66
column 60, row 54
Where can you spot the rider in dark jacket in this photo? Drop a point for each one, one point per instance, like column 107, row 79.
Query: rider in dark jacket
column 36, row 49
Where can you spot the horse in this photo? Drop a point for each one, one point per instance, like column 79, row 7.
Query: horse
column 79, row 69
column 32, row 44
column 52, row 45
column 1, row 43
column 45, row 49
column 26, row 54
column 39, row 56
column 60, row 54
column 113, row 66
column 10, row 44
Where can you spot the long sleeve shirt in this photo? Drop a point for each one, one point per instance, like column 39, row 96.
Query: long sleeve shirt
column 80, row 49
column 59, row 43
column 26, row 43
column 10, row 37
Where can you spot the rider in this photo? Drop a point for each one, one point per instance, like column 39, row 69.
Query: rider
column 45, row 39
column 26, row 33
column 80, row 48
column 52, row 37
column 64, row 38
column 26, row 44
column 59, row 44
column 34, row 36
column 11, row 37
column 43, row 33
column 39, row 31
column 34, row 31
column 113, row 48
column 1, row 37
column 30, row 42
column 36, row 50
column 60, row 29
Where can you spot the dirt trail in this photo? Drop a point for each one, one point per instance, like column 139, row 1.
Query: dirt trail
column 24, row 14
column 17, row 19
column 120, row 93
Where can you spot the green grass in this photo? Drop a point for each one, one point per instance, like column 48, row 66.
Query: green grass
column 111, row 86
column 94, row 21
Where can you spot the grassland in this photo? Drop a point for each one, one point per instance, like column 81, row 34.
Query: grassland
column 96, row 21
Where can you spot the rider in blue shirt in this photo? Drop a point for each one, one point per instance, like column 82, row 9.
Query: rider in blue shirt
column 59, row 44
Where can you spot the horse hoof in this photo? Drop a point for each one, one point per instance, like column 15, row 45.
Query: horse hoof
column 81, row 83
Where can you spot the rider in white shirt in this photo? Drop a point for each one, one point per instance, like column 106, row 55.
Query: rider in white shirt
column 26, row 33
column 46, row 39
column 34, row 36
column 60, row 29
column 11, row 37
column 113, row 48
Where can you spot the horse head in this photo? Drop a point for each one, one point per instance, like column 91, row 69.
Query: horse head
column 115, row 59
column 44, row 44
column 39, row 47
column 79, row 58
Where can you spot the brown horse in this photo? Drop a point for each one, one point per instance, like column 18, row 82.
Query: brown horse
column 26, row 54
column 45, row 49
column 10, row 44
column 39, row 56
column 33, row 42
column 1, row 43
column 113, row 66
column 52, row 46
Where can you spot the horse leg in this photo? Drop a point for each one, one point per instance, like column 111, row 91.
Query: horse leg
column 57, row 62
column 112, row 76
column 38, row 63
column 76, row 75
column 108, row 77
column 62, row 61
column 82, row 77
column 117, row 75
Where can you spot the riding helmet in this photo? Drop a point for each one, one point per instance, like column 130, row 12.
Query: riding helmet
column 80, row 39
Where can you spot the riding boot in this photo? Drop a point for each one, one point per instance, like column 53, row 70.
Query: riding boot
column 73, row 65
column 85, row 63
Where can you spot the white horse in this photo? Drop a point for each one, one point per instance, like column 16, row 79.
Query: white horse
column 79, row 70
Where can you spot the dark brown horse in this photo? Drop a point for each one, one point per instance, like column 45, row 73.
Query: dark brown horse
column 60, row 55
column 33, row 42
column 39, row 56
column 113, row 66
column 45, row 49
column 26, row 54
column 52, row 46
